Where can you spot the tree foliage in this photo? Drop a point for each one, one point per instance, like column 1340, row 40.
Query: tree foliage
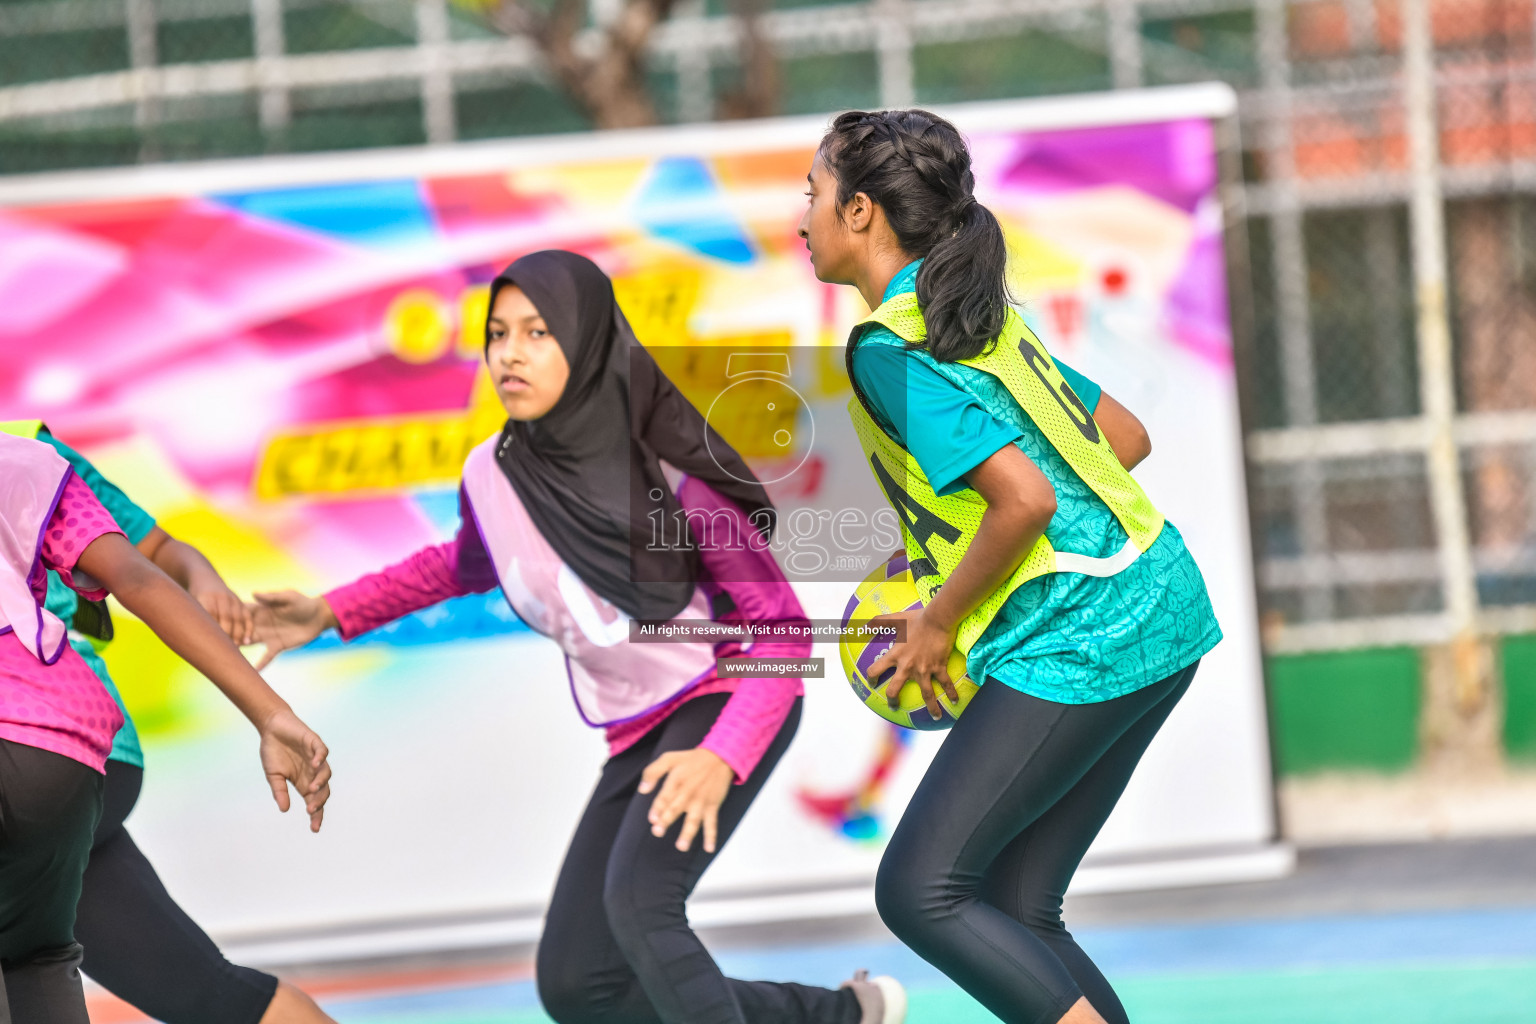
column 602, row 63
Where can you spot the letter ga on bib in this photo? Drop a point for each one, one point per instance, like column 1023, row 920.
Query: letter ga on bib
column 937, row 531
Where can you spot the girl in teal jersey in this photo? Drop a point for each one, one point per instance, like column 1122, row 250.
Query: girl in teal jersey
column 1079, row 670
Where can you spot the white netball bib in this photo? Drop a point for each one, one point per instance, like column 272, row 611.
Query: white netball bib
column 32, row 477
column 612, row 679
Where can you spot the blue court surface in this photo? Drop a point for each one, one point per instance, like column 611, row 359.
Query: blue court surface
column 1440, row 967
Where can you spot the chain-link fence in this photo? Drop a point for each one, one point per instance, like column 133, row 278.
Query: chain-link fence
column 1389, row 165
column 1353, row 514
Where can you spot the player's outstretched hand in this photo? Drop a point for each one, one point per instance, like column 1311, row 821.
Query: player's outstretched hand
column 291, row 754
column 285, row 619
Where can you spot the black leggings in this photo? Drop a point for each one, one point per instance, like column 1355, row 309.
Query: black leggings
column 617, row 948
column 974, row 875
column 140, row 945
column 48, row 805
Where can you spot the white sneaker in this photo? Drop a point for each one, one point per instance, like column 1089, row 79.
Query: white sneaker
column 882, row 1000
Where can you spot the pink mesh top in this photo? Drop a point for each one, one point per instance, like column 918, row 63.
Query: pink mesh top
column 61, row 707
column 750, row 579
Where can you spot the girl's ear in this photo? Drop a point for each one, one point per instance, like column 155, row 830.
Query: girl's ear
column 859, row 212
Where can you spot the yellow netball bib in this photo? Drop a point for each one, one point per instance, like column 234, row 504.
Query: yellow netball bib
column 937, row 530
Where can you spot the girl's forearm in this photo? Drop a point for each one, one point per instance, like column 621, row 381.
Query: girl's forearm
column 187, row 566
column 1020, row 505
column 190, row 632
column 422, row 580
column 1002, row 540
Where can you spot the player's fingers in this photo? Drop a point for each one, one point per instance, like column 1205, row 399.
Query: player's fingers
column 948, row 684
column 321, row 780
column 316, row 819
column 893, row 689
column 654, row 771
column 262, row 622
column 884, row 661
column 926, row 685
column 663, row 814
column 711, row 828
column 316, row 798
column 318, row 751
column 279, row 786
column 690, row 829
column 216, row 611
column 245, row 621
column 665, row 807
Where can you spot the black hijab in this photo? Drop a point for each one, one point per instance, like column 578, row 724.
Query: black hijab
column 588, row 471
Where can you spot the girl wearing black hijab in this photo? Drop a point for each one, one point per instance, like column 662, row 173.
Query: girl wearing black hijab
column 561, row 510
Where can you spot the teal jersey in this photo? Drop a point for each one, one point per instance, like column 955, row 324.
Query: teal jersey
column 62, row 601
column 1063, row 637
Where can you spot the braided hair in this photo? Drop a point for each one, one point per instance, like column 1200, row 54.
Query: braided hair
column 916, row 167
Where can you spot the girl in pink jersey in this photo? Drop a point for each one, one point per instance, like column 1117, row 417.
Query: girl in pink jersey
column 57, row 720
column 562, row 510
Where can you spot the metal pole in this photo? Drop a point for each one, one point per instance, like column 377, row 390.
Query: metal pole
column 1124, row 23
column 695, row 91
column 1292, row 305
column 438, row 116
column 1383, row 266
column 143, row 54
column 267, row 27
column 139, row 22
column 894, row 52
column 1437, row 381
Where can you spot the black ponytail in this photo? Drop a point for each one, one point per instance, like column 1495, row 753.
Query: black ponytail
column 916, row 167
